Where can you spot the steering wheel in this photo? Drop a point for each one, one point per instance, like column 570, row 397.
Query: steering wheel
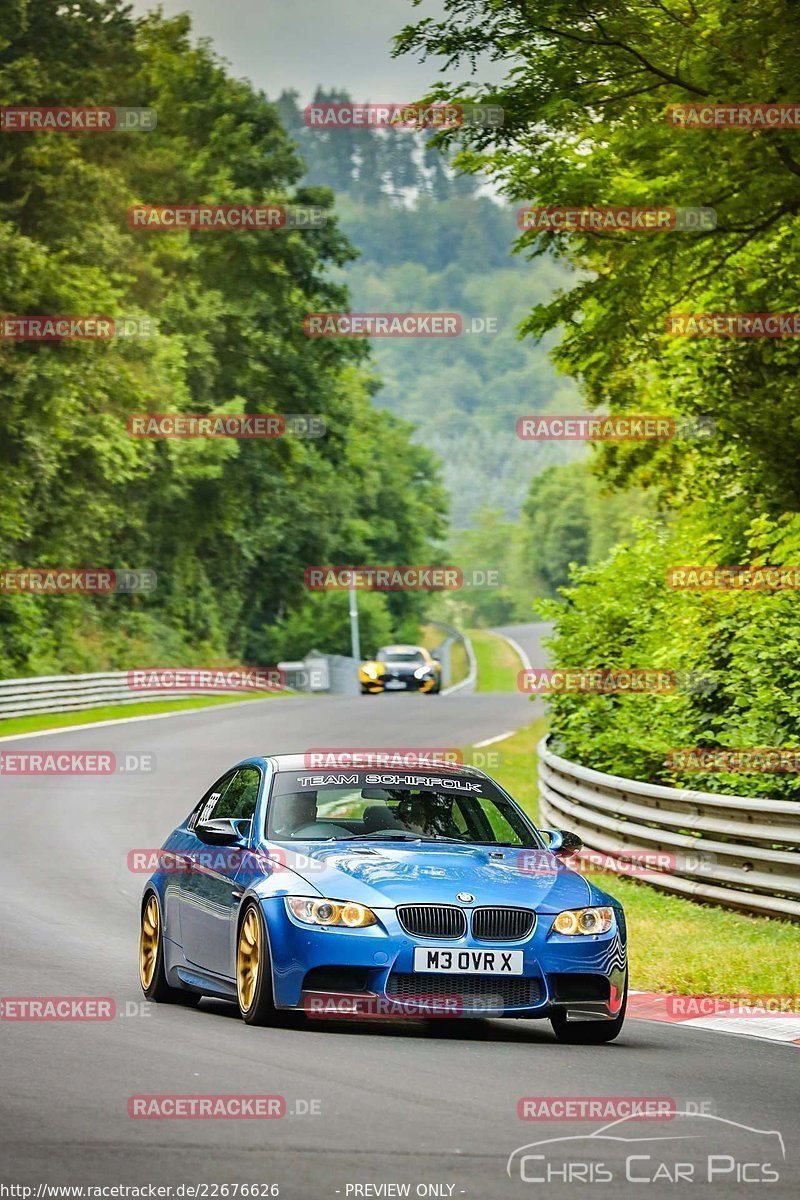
column 318, row 829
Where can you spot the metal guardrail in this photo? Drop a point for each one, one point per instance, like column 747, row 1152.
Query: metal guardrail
column 72, row 693
column 318, row 672
column 469, row 683
column 738, row 851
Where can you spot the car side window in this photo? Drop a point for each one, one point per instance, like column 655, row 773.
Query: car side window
column 208, row 804
column 239, row 799
column 492, row 822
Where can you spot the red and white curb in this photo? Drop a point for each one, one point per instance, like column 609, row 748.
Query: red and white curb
column 774, row 1026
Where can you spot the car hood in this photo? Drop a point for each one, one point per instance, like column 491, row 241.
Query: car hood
column 382, row 875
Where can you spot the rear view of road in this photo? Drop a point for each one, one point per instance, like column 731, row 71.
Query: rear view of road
column 368, row 1103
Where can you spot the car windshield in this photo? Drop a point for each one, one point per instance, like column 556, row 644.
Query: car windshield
column 385, row 806
column 401, row 656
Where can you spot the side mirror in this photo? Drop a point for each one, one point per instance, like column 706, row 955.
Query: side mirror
column 223, row 831
column 561, row 842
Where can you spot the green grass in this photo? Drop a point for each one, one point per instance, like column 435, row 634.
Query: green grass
column 498, row 663
column 431, row 637
column 676, row 945
column 113, row 712
column 459, row 663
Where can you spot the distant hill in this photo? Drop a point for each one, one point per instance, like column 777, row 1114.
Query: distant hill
column 429, row 242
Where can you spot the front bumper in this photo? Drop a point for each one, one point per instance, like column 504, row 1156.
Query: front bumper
column 403, row 683
column 584, row 976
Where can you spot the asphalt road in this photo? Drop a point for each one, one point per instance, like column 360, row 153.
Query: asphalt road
column 430, row 1103
column 529, row 639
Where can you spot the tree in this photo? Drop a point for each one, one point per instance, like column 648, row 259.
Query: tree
column 228, row 526
column 568, row 518
column 585, row 124
column 586, row 100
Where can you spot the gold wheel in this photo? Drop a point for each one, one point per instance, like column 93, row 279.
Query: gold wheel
column 248, row 960
column 148, row 942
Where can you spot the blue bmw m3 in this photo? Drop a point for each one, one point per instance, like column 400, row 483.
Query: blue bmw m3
column 414, row 891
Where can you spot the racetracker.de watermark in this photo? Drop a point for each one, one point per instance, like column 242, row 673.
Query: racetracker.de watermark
column 206, row 1108
column 230, row 861
column 82, row 580
column 339, row 1007
column 734, row 324
column 734, row 116
column 199, row 679
column 400, row 115
column 396, row 324
column 331, row 758
column 762, row 578
column 598, row 218
column 57, row 1008
column 223, row 218
column 74, row 328
column 34, row 119
column 399, row 578
column 257, row 426
column 766, row 759
column 596, row 1108
column 602, row 428
column 224, row 860
column 734, row 1005
column 623, row 860
column 75, row 762
column 549, row 680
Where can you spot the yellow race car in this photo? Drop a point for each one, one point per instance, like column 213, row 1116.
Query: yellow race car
column 401, row 669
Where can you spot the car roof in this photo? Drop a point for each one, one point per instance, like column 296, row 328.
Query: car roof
column 298, row 762
column 403, row 649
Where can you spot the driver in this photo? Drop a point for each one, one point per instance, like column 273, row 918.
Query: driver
column 428, row 814
column 292, row 812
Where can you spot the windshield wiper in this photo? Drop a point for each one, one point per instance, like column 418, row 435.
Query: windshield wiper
column 400, row 837
column 378, row 837
column 437, row 837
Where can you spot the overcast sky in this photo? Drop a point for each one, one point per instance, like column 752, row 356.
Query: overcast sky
column 280, row 44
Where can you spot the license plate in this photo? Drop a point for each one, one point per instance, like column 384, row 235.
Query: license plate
column 394, row 683
column 469, row 962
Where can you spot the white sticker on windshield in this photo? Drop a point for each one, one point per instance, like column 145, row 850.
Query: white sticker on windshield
column 327, row 780
column 461, row 785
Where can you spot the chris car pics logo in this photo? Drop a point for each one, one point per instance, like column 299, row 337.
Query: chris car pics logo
column 685, row 1147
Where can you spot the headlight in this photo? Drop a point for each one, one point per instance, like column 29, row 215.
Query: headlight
column 370, row 670
column 584, row 920
column 421, row 672
column 330, row 912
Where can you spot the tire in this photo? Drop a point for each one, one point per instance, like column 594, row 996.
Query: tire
column 152, row 975
column 589, row 1033
column 253, row 971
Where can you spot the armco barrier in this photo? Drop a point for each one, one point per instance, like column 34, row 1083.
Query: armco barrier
column 444, row 652
column 71, row 693
column 739, row 851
